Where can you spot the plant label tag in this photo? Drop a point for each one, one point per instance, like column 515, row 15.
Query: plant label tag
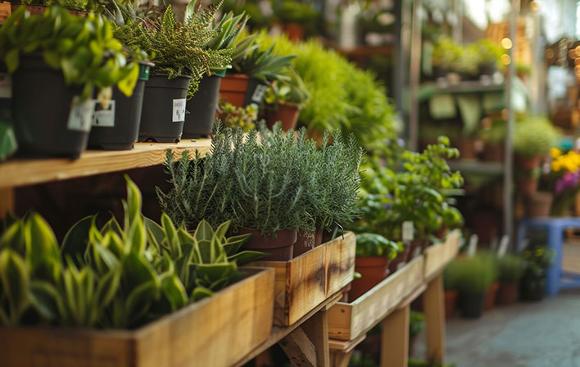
column 179, row 110
column 503, row 246
column 80, row 116
column 259, row 93
column 472, row 247
column 5, row 85
column 104, row 116
column 408, row 231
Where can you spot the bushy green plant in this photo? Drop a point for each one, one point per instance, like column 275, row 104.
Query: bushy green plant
column 469, row 61
column 488, row 51
column 240, row 117
column 473, row 274
column 372, row 244
column 84, row 49
column 292, row 90
column 496, row 133
column 266, row 180
column 535, row 136
column 510, row 268
column 446, row 54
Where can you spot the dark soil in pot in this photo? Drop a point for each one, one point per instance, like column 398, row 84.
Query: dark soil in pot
column 233, row 89
column 305, row 242
column 507, row 293
column 164, row 109
column 201, row 108
column 373, row 270
column 471, row 304
column 117, row 127
column 278, row 247
column 286, row 114
column 46, row 121
column 490, row 296
column 450, row 302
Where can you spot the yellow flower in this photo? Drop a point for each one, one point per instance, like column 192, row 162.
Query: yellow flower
column 555, row 152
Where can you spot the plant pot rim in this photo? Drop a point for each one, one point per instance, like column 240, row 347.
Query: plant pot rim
column 166, row 76
column 237, row 76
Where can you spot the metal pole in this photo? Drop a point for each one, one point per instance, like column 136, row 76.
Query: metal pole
column 415, row 75
column 508, row 169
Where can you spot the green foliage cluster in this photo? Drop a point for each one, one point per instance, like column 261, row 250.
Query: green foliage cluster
column 534, row 136
column 116, row 276
column 84, row 49
column 342, row 97
column 292, row 11
column 496, row 133
column 69, row 4
column 510, row 268
column 446, row 54
column 238, row 117
column 372, row 244
column 466, row 59
column 260, row 63
column 416, row 190
column 265, row 180
column 472, row 274
column 289, row 90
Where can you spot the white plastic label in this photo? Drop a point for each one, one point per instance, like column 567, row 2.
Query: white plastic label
column 104, row 116
column 179, row 110
column 258, row 95
column 472, row 247
column 5, row 85
column 503, row 246
column 80, row 116
column 408, row 231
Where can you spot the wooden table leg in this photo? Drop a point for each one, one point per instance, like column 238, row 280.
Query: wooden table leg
column 308, row 344
column 6, row 201
column 317, row 330
column 395, row 339
column 434, row 307
column 339, row 358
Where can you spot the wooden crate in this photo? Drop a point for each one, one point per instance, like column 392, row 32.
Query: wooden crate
column 438, row 256
column 348, row 321
column 308, row 280
column 217, row 331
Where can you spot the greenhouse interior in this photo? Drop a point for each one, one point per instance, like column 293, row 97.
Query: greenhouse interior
column 272, row 183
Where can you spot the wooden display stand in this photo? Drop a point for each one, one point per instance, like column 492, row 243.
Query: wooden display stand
column 388, row 303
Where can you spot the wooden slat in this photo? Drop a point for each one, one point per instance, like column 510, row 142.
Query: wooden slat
column 6, row 201
column 214, row 332
column 20, row 171
column 349, row 320
column 438, row 256
column 395, row 339
column 434, row 308
column 299, row 349
column 317, row 329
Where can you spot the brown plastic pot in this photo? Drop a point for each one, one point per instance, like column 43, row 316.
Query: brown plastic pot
column 450, row 302
column 490, row 296
column 527, row 186
column 285, row 113
column 278, row 247
column 233, row 89
column 373, row 270
column 528, row 163
column 508, row 293
column 305, row 242
column 539, row 204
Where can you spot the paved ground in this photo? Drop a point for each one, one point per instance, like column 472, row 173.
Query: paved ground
column 545, row 334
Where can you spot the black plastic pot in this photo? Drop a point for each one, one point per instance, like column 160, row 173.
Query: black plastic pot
column 41, row 105
column 164, row 110
column 256, row 91
column 532, row 290
column 117, row 127
column 201, row 108
column 471, row 304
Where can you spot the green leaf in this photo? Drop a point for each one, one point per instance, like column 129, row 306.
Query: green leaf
column 245, row 257
column 127, row 84
column 174, row 291
column 41, row 241
column 46, row 300
column 203, row 232
column 8, row 144
column 15, row 282
column 200, row 293
column 12, row 60
column 108, row 286
column 133, row 204
column 140, row 300
column 77, row 237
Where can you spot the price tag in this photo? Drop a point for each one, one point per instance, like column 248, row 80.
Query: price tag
column 80, row 116
column 104, row 116
column 259, row 93
column 408, row 231
column 179, row 110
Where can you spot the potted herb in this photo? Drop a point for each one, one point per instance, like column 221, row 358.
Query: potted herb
column 181, row 60
column 489, row 56
column 533, row 138
column 203, row 105
column 475, row 275
column 373, row 253
column 51, row 77
column 284, row 100
column 510, row 271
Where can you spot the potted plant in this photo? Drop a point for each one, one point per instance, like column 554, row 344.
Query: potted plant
column 296, row 17
column 203, row 105
column 238, row 117
column 446, row 55
column 181, row 60
column 533, row 282
column 533, row 138
column 60, row 79
column 373, row 253
column 510, row 271
column 284, row 100
column 491, row 292
column 475, row 275
column 468, row 63
column 561, row 178
column 494, row 141
column 489, row 56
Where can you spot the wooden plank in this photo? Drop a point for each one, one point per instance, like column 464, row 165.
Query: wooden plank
column 349, row 320
column 439, row 255
column 434, row 308
column 345, row 346
column 340, row 359
column 20, row 171
column 306, row 281
column 299, row 349
column 214, row 332
column 395, row 339
column 317, row 329
column 6, row 202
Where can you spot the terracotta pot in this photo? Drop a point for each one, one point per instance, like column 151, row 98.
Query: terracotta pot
column 450, row 302
column 494, row 152
column 286, row 114
column 318, row 236
column 490, row 296
column 466, row 148
column 527, row 186
column 294, row 31
column 279, row 247
column 373, row 270
column 528, row 163
column 233, row 89
column 305, row 242
column 508, row 293
column 539, row 204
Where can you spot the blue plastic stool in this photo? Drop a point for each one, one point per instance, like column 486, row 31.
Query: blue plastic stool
column 556, row 279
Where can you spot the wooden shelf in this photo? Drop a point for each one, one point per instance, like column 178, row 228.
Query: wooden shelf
column 428, row 90
column 477, row 167
column 23, row 171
